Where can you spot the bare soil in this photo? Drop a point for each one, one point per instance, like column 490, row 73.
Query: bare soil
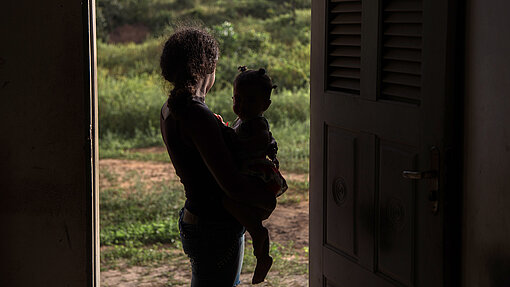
column 288, row 223
column 149, row 172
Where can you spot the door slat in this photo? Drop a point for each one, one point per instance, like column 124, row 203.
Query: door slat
column 401, row 55
column 346, row 73
column 344, row 46
column 346, row 7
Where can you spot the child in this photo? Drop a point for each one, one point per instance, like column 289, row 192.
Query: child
column 255, row 151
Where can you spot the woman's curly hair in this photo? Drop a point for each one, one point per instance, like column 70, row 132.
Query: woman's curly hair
column 188, row 56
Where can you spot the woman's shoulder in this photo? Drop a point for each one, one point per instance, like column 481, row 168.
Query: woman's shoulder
column 193, row 109
column 198, row 109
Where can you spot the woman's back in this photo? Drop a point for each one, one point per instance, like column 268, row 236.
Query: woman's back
column 203, row 194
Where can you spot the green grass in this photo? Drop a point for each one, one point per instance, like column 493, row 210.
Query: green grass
column 134, row 154
column 139, row 214
column 129, row 109
column 285, row 258
column 288, row 116
column 139, row 223
column 293, row 147
column 133, row 254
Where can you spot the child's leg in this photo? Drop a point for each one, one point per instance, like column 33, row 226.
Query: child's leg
column 264, row 261
column 249, row 217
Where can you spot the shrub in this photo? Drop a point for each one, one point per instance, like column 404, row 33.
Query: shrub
column 131, row 59
column 129, row 105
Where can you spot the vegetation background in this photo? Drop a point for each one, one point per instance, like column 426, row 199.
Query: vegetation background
column 138, row 218
column 274, row 34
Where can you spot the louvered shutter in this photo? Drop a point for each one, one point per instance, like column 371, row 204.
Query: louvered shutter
column 379, row 59
column 344, row 46
column 401, row 55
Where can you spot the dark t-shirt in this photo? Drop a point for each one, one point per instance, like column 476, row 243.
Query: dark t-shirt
column 203, row 194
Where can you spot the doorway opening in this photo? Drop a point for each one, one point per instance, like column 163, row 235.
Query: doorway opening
column 139, row 194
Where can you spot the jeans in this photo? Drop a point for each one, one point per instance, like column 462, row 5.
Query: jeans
column 215, row 250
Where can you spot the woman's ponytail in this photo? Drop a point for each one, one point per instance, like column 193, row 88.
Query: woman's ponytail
column 180, row 97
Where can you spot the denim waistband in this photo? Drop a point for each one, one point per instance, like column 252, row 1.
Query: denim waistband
column 205, row 221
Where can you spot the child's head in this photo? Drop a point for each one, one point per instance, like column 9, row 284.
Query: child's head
column 252, row 92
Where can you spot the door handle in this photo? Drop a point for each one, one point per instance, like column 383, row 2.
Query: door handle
column 419, row 174
column 432, row 175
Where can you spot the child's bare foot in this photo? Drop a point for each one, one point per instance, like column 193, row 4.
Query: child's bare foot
column 262, row 268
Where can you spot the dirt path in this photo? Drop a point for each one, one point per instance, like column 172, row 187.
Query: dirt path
column 288, row 223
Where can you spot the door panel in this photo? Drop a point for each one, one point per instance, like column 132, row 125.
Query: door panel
column 348, row 174
column 340, row 271
column 340, row 198
column 396, row 210
column 378, row 78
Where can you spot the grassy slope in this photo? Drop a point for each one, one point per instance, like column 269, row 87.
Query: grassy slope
column 131, row 91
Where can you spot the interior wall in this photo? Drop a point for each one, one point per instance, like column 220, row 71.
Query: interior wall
column 45, row 219
column 486, row 216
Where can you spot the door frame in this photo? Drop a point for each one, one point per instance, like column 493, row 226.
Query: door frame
column 91, row 134
column 452, row 157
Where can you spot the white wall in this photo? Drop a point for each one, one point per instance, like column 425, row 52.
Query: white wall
column 486, row 215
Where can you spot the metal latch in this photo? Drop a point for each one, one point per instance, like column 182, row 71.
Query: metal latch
column 432, row 175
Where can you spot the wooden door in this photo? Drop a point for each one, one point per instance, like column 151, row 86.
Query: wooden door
column 381, row 120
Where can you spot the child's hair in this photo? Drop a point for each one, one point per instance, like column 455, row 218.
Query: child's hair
column 255, row 82
column 188, row 56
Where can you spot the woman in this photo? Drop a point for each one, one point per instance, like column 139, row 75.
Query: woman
column 211, row 237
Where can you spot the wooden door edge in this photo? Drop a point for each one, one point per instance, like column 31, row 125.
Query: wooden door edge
column 91, row 147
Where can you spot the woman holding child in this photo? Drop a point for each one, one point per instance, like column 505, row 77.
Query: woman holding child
column 220, row 197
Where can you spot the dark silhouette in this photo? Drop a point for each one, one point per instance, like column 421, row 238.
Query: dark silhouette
column 213, row 182
column 255, row 151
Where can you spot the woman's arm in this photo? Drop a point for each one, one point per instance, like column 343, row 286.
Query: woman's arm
column 204, row 130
